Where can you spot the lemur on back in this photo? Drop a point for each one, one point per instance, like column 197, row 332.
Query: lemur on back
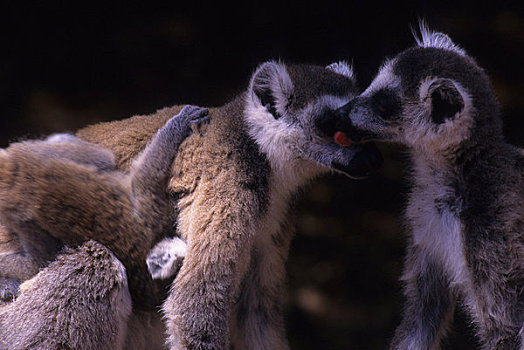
column 66, row 191
column 465, row 212
column 234, row 185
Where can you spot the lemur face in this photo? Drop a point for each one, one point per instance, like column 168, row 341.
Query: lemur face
column 410, row 104
column 290, row 111
column 422, row 98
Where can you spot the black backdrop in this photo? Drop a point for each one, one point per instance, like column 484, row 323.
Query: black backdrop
column 65, row 65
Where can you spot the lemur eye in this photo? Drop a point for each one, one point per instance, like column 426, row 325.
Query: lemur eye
column 386, row 104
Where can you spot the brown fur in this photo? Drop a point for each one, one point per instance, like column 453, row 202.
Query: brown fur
column 128, row 137
column 234, row 207
column 15, row 263
column 65, row 190
column 235, row 185
column 34, row 321
column 217, row 212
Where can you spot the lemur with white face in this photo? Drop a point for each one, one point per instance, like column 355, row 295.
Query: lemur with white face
column 235, row 187
column 235, row 184
column 465, row 211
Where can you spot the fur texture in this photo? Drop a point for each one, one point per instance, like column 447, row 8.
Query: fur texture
column 465, row 212
column 64, row 190
column 235, row 185
column 57, row 310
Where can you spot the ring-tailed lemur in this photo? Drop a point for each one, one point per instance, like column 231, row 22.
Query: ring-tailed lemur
column 466, row 207
column 235, row 185
column 64, row 190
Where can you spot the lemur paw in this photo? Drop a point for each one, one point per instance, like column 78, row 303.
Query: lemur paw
column 165, row 259
column 9, row 289
column 191, row 118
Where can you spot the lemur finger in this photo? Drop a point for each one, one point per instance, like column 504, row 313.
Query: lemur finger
column 200, row 112
column 196, row 123
column 194, row 111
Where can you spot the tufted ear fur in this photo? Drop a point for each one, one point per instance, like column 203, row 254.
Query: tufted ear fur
column 445, row 97
column 342, row 68
column 272, row 86
column 429, row 38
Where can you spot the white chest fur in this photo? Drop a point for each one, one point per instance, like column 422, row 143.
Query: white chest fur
column 436, row 230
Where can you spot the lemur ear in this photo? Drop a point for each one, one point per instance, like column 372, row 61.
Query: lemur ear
column 342, row 68
column 272, row 87
column 446, row 98
column 429, row 38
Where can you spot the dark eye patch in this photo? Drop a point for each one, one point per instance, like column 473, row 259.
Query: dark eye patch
column 386, row 104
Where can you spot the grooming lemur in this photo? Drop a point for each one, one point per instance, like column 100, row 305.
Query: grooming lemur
column 466, row 207
column 235, row 185
column 64, row 190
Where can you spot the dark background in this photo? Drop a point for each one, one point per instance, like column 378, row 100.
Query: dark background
column 63, row 66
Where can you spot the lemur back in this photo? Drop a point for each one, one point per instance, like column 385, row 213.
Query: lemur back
column 64, row 190
column 79, row 301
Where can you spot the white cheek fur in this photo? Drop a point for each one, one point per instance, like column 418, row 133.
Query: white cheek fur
column 425, row 136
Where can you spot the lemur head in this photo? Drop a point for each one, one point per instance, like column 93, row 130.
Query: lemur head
column 287, row 108
column 432, row 97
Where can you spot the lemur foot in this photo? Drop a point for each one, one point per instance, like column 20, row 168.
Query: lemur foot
column 165, row 259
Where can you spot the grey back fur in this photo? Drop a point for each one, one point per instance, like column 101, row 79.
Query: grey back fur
column 80, row 301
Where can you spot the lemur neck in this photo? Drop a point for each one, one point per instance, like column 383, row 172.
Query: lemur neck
column 455, row 158
column 277, row 142
column 470, row 169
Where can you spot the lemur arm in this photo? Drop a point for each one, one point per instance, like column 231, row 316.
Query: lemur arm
column 151, row 171
column 198, row 308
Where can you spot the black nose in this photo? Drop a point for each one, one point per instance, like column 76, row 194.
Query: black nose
column 326, row 123
column 344, row 120
column 332, row 121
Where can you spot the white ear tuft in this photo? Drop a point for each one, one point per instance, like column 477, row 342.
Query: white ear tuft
column 343, row 68
column 271, row 85
column 439, row 40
